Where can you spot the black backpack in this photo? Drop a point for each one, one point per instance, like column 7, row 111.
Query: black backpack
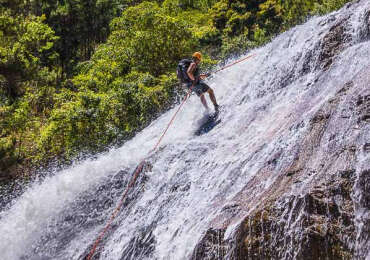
column 182, row 69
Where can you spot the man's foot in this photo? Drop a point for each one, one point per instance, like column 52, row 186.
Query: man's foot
column 217, row 107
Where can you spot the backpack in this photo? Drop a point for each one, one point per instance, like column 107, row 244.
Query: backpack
column 182, row 69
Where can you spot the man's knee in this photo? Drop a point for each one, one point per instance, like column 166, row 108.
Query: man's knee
column 210, row 90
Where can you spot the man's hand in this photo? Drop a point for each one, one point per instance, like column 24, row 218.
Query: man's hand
column 205, row 75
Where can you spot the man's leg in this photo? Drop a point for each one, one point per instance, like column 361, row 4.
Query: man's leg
column 212, row 97
column 204, row 102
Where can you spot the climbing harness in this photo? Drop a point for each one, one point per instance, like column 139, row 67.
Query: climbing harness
column 140, row 167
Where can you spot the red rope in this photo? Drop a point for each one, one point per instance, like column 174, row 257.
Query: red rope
column 232, row 64
column 172, row 119
column 116, row 211
column 141, row 166
column 132, row 182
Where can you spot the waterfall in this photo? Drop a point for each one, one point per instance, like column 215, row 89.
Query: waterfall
column 269, row 181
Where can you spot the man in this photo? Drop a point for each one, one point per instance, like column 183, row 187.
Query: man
column 195, row 82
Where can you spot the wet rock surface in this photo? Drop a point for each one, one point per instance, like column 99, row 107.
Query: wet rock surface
column 285, row 175
column 320, row 222
column 87, row 211
column 333, row 43
column 318, row 206
column 318, row 225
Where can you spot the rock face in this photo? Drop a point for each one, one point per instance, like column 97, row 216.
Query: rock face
column 318, row 206
column 284, row 175
column 319, row 223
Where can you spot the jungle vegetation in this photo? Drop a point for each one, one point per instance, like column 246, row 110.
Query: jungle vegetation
column 77, row 76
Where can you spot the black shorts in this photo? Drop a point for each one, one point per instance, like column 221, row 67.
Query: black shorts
column 199, row 89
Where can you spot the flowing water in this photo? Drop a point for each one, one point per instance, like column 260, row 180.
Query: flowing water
column 266, row 103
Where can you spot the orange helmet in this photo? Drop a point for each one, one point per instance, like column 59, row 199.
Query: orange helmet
column 197, row 55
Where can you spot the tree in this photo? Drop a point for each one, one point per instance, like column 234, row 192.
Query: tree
column 149, row 39
column 25, row 46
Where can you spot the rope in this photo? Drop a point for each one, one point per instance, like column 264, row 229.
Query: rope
column 141, row 166
column 116, row 210
column 132, row 181
column 232, row 64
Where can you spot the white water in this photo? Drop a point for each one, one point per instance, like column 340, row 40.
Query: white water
column 262, row 103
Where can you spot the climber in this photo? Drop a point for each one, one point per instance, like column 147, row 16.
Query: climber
column 189, row 76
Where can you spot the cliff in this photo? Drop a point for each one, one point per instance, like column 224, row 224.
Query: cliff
column 284, row 175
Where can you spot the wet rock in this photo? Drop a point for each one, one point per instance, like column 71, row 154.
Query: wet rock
column 310, row 210
column 364, row 32
column 363, row 109
column 367, row 147
column 180, row 187
column 333, row 43
column 88, row 211
column 363, row 218
column 318, row 225
column 141, row 246
column 212, row 246
column 292, row 168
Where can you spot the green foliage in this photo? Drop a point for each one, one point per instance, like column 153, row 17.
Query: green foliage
column 205, row 36
column 77, row 76
column 123, row 87
column 89, row 121
column 7, row 152
column 25, row 45
column 328, row 6
column 76, row 125
column 239, row 22
column 26, row 77
column 236, row 45
column 149, row 40
column 260, row 36
column 80, row 24
column 15, row 122
column 183, row 5
column 269, row 17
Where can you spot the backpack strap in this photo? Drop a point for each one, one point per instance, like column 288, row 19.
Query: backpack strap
column 182, row 69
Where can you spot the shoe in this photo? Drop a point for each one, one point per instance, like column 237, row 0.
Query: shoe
column 217, row 108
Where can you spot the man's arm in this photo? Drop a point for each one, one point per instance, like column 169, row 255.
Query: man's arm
column 191, row 71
